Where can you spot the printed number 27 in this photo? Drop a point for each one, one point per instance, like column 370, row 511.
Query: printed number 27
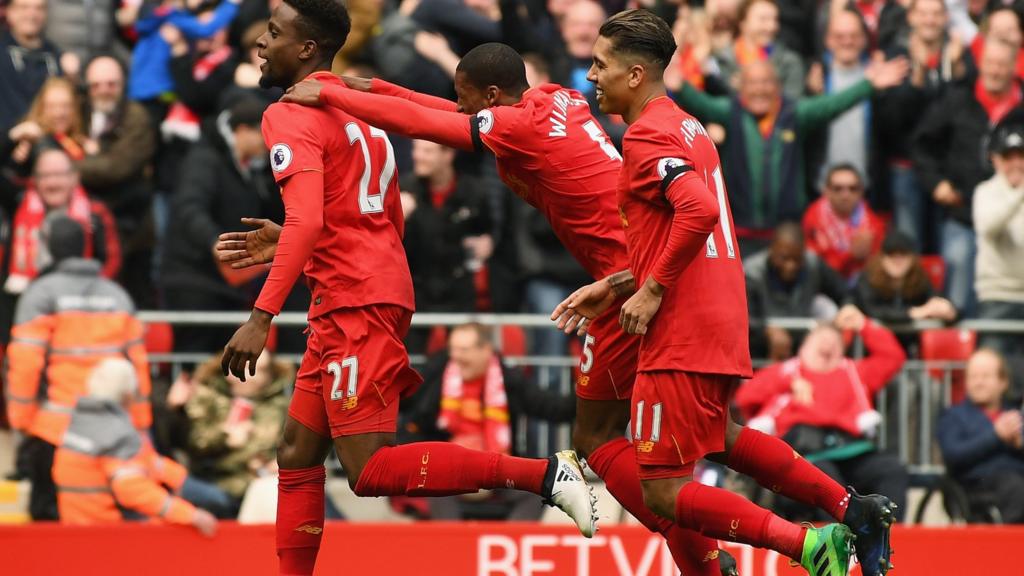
column 335, row 369
column 372, row 203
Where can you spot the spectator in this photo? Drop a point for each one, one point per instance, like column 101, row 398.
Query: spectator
column 761, row 123
column 470, row 397
column 822, row 404
column 787, row 280
column 53, row 121
column 848, row 138
column 446, row 230
column 105, row 470
column 935, row 62
column 1001, row 24
column 579, row 30
column 119, row 151
column 159, row 27
column 884, row 20
column 86, row 28
column 56, row 190
column 27, row 59
column 756, row 42
column 246, row 80
column 66, row 323
column 840, row 226
column 693, row 55
column 999, row 224
column 549, row 274
column 981, row 437
column 894, row 287
column 949, row 156
column 235, row 426
column 228, row 178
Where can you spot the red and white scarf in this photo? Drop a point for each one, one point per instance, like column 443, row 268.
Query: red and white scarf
column 27, row 254
column 837, row 231
column 463, row 416
column 181, row 121
column 997, row 107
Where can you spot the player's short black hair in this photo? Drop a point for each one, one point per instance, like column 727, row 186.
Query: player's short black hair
column 248, row 111
column 641, row 33
column 494, row 64
column 326, row 22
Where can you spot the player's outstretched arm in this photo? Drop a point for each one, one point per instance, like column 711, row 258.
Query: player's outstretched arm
column 378, row 86
column 252, row 248
column 388, row 113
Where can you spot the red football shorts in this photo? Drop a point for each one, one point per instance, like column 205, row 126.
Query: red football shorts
column 608, row 362
column 677, row 419
column 354, row 371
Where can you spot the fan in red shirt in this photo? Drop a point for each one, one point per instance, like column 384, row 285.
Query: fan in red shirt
column 840, row 226
column 343, row 229
column 690, row 307
column 552, row 153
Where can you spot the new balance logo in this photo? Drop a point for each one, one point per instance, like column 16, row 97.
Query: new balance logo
column 566, row 475
column 712, row 555
column 309, row 529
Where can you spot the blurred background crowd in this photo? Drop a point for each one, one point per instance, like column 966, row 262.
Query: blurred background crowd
column 873, row 152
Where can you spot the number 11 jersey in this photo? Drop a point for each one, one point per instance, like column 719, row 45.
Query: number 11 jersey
column 358, row 259
column 701, row 325
column 554, row 155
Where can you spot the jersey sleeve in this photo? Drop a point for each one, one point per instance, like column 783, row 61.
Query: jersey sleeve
column 657, row 160
column 295, row 140
column 502, row 129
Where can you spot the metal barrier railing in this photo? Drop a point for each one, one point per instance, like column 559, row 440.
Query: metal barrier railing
column 910, row 405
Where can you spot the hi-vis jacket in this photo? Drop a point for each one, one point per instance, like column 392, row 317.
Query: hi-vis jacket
column 104, row 463
column 66, row 322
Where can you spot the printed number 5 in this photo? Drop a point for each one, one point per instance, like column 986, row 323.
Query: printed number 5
column 595, row 133
column 588, row 354
column 335, row 369
column 372, row 203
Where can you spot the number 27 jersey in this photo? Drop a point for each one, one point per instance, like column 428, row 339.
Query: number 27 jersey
column 701, row 325
column 358, row 259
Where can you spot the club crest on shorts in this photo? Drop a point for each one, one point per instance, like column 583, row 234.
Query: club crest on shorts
column 485, row 121
column 666, row 164
column 280, row 157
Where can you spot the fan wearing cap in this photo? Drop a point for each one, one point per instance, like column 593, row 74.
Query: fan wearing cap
column 999, row 224
column 895, row 288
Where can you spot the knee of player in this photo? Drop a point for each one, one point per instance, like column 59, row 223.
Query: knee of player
column 660, row 499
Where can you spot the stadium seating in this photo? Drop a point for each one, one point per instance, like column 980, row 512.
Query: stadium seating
column 951, row 345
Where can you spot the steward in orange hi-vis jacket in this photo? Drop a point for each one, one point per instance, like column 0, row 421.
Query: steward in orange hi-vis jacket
column 104, row 467
column 66, row 322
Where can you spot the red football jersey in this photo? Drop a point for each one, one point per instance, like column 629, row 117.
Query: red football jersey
column 702, row 323
column 553, row 153
column 358, row 259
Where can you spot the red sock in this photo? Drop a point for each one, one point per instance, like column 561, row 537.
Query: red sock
column 445, row 469
column 300, row 518
column 721, row 514
column 615, row 463
column 776, row 466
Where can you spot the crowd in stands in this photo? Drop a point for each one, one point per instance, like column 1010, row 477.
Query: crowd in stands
column 873, row 153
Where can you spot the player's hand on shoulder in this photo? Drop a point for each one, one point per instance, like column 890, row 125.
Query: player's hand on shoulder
column 306, row 93
column 641, row 307
column 244, row 249
column 582, row 306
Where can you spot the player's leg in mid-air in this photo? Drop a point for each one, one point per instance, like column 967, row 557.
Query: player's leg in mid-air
column 607, row 371
column 357, row 357
column 681, row 417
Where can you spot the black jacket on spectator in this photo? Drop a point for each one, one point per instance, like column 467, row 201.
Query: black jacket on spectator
column 951, row 143
column 202, row 96
column 892, row 310
column 768, row 296
column 22, row 73
column 213, row 195
column 970, row 447
column 433, row 243
column 541, row 254
column 418, row 412
column 899, row 110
